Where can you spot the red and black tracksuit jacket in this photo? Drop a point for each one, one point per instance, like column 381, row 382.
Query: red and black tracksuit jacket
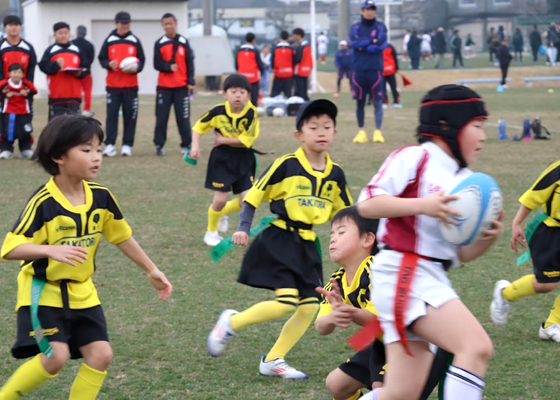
column 303, row 60
column 248, row 63
column 118, row 48
column 17, row 104
column 282, row 61
column 22, row 53
column 64, row 87
column 167, row 52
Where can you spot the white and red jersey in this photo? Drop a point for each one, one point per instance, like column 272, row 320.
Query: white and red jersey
column 16, row 104
column 415, row 172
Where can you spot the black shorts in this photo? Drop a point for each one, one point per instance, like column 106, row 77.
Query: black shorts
column 369, row 365
column 545, row 253
column 366, row 366
column 230, row 169
column 76, row 327
column 280, row 259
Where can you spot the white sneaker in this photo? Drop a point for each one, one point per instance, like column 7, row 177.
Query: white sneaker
column 550, row 333
column 185, row 150
column 26, row 154
column 110, row 151
column 221, row 334
column 212, row 238
column 280, row 368
column 505, row 86
column 223, row 224
column 6, row 155
column 88, row 114
column 126, row 150
column 499, row 308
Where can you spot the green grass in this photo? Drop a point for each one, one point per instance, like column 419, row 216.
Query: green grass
column 480, row 61
column 160, row 347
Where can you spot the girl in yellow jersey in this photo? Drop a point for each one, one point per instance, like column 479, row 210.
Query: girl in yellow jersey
column 56, row 237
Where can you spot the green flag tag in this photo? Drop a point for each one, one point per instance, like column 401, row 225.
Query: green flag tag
column 37, row 286
column 529, row 231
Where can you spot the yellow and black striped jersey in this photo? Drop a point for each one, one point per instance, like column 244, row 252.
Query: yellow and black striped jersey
column 244, row 126
column 545, row 192
column 50, row 219
column 355, row 293
column 298, row 193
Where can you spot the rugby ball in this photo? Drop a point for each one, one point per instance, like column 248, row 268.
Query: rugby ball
column 129, row 64
column 480, row 201
column 278, row 112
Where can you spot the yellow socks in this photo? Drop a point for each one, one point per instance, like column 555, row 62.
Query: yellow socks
column 231, row 207
column 554, row 317
column 355, row 396
column 282, row 307
column 213, row 218
column 294, row 328
column 87, row 383
column 523, row 287
column 29, row 376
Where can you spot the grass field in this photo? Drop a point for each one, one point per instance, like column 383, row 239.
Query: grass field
column 160, row 347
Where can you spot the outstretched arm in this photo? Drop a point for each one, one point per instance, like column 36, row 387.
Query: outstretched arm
column 132, row 250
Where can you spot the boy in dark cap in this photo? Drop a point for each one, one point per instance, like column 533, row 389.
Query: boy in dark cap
column 122, row 85
column 232, row 164
column 304, row 189
column 63, row 64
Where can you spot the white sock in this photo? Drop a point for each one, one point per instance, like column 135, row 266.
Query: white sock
column 462, row 385
column 371, row 395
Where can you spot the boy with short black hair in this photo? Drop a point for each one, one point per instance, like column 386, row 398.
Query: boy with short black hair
column 304, row 189
column 346, row 300
column 232, row 163
column 16, row 94
column 544, row 245
column 56, row 237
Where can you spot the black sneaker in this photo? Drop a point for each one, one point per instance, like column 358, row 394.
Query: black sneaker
column 160, row 151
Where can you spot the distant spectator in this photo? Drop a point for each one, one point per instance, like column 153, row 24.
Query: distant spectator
column 390, row 68
column 504, row 58
column 282, row 62
column 413, row 47
column 303, row 64
column 468, row 46
column 553, row 42
column 322, row 46
column 517, row 42
column 440, row 47
column 265, row 78
column 535, row 41
column 343, row 62
column 87, row 53
column 493, row 41
column 14, row 49
column 502, row 33
column 426, row 46
column 456, row 48
column 406, row 38
column 433, row 41
column 248, row 63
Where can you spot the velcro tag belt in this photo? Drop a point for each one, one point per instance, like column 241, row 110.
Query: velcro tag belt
column 529, row 231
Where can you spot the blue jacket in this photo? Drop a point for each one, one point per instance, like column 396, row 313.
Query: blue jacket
column 368, row 41
column 343, row 59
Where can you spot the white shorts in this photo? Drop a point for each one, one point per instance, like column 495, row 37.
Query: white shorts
column 430, row 285
column 322, row 49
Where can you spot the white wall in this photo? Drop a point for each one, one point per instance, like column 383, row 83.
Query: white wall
column 39, row 18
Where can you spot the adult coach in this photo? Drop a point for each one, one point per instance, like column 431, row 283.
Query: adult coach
column 303, row 61
column 122, row 87
column 64, row 68
column 87, row 53
column 282, row 62
column 249, row 64
column 368, row 38
column 174, row 60
column 15, row 50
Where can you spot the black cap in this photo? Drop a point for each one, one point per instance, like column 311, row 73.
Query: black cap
column 122, row 17
column 369, row 4
column 320, row 106
column 60, row 25
column 12, row 19
column 237, row 81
